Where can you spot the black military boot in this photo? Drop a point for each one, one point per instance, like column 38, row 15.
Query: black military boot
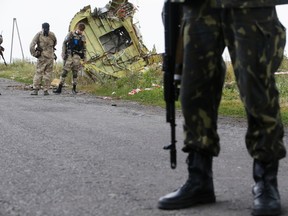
column 74, row 89
column 35, row 92
column 198, row 189
column 265, row 190
column 59, row 89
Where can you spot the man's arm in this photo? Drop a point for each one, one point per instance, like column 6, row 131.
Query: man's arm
column 33, row 44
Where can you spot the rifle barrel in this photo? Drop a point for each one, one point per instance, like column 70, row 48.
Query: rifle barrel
column 3, row 58
column 172, row 20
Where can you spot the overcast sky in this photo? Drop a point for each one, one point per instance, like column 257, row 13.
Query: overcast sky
column 30, row 14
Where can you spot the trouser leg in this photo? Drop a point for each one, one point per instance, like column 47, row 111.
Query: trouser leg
column 255, row 62
column 201, row 85
column 74, row 82
column 202, row 79
column 47, row 75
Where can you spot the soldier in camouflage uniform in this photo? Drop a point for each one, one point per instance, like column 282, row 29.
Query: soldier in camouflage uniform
column 42, row 47
column 73, row 51
column 255, row 39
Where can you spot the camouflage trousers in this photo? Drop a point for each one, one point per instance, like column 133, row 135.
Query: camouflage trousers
column 255, row 39
column 72, row 63
column 44, row 70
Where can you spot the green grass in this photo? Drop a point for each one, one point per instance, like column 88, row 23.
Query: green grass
column 150, row 82
column 18, row 71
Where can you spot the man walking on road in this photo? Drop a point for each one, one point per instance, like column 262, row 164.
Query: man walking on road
column 255, row 39
column 42, row 47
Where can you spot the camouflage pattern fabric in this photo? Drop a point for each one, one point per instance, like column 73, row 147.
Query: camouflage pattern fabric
column 47, row 44
column 72, row 60
column 68, row 38
column 73, row 63
column 255, row 39
column 45, row 60
column 246, row 3
column 44, row 70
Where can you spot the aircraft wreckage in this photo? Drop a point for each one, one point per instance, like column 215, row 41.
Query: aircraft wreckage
column 114, row 43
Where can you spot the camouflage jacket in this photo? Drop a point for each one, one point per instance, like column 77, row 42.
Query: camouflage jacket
column 246, row 3
column 44, row 45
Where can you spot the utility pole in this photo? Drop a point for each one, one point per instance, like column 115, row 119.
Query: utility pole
column 12, row 40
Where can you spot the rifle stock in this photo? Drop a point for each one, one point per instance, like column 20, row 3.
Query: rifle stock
column 172, row 20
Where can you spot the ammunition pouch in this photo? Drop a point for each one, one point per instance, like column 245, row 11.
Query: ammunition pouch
column 66, row 54
column 72, row 52
column 81, row 54
column 38, row 52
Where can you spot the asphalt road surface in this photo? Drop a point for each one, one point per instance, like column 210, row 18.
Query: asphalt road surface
column 83, row 155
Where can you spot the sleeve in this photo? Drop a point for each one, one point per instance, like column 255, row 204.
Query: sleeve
column 33, row 44
column 68, row 37
column 84, row 48
column 55, row 40
column 64, row 47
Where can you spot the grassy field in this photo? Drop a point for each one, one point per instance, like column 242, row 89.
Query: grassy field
column 147, row 87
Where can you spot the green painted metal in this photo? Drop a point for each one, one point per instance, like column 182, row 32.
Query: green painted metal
column 114, row 45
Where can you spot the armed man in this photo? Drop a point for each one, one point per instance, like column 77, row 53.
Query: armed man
column 42, row 47
column 2, row 49
column 73, row 51
column 255, row 39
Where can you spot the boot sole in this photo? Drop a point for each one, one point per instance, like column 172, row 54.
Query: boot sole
column 186, row 203
column 266, row 212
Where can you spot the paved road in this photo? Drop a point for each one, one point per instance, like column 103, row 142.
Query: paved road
column 65, row 155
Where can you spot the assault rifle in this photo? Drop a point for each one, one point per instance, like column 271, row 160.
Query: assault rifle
column 1, row 53
column 172, row 66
